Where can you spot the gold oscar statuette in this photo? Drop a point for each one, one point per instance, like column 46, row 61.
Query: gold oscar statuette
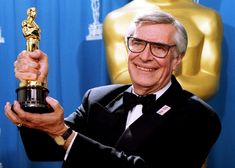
column 32, row 94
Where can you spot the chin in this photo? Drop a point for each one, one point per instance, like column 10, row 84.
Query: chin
column 142, row 82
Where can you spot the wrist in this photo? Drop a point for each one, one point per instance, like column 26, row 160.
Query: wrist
column 62, row 137
column 69, row 140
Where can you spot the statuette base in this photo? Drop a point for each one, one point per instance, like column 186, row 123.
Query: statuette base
column 33, row 99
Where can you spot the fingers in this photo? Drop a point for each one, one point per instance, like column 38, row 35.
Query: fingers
column 51, row 123
column 16, row 114
column 31, row 66
column 11, row 115
column 19, row 117
column 31, row 120
column 25, row 76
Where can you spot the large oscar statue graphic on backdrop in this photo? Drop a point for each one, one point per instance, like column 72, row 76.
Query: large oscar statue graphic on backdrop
column 31, row 94
column 200, row 68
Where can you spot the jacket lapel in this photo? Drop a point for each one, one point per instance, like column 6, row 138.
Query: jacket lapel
column 116, row 107
column 109, row 121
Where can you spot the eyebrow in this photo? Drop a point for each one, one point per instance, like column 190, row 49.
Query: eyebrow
column 159, row 43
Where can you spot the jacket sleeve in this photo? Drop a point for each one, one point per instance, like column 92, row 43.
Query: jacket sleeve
column 86, row 152
column 39, row 146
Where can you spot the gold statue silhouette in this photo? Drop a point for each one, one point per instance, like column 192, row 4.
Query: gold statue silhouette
column 31, row 94
column 31, row 30
column 200, row 69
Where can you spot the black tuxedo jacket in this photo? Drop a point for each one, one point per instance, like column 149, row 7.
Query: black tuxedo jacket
column 181, row 137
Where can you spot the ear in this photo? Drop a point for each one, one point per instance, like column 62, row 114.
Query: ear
column 177, row 60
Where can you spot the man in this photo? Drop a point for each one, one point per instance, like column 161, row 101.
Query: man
column 167, row 127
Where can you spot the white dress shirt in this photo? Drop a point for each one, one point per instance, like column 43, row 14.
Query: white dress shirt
column 136, row 112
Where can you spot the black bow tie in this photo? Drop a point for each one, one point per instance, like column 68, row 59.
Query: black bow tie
column 130, row 100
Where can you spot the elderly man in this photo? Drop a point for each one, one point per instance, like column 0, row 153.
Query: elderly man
column 151, row 123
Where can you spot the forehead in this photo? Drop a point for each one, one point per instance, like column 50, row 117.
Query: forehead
column 155, row 32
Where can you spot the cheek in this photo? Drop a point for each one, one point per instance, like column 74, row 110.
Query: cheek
column 132, row 56
column 168, row 63
column 162, row 63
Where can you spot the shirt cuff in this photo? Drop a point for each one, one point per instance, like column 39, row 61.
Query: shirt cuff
column 70, row 145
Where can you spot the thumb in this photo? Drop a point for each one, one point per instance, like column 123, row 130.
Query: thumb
column 54, row 103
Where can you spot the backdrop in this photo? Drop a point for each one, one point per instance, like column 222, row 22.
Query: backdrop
column 77, row 63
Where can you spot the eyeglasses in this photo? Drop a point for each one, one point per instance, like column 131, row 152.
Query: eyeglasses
column 158, row 50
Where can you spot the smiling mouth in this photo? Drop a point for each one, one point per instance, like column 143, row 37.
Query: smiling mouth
column 145, row 69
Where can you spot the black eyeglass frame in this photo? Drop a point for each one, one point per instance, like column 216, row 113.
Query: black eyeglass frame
column 166, row 46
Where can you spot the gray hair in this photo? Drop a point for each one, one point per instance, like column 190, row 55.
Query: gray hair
column 160, row 17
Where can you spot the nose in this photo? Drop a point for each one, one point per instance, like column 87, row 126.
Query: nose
column 146, row 55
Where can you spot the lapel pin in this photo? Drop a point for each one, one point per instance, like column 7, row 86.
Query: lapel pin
column 163, row 110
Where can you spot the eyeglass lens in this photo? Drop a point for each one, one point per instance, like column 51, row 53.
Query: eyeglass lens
column 136, row 45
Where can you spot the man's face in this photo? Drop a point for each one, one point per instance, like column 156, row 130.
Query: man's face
column 149, row 73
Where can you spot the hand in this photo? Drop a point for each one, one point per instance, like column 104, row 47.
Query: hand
column 31, row 66
column 51, row 123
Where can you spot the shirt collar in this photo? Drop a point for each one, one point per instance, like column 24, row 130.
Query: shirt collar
column 157, row 93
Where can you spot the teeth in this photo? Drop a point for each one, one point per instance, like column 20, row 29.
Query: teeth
column 144, row 69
